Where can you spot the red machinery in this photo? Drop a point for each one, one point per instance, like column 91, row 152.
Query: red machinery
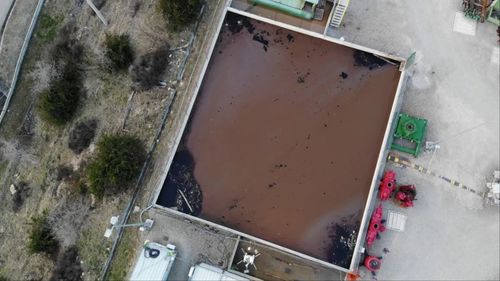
column 372, row 263
column 375, row 226
column 387, row 185
column 405, row 195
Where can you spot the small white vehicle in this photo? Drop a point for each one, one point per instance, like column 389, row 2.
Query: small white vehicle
column 493, row 193
column 154, row 262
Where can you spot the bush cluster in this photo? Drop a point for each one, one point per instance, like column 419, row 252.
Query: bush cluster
column 67, row 50
column 41, row 239
column 68, row 266
column 81, row 135
column 60, row 101
column 180, row 13
column 118, row 162
column 23, row 191
column 48, row 27
column 119, row 52
column 148, row 69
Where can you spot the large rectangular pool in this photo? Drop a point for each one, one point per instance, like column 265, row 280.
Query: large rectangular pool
column 284, row 137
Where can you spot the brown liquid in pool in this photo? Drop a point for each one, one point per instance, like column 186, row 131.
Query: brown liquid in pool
column 285, row 136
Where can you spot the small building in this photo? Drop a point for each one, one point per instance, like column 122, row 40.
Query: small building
column 205, row 272
column 154, row 262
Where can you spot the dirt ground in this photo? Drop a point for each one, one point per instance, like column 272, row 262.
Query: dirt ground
column 31, row 151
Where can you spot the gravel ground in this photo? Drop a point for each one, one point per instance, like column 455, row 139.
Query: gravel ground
column 195, row 243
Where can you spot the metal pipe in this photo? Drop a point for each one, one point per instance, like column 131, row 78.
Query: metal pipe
column 284, row 8
column 186, row 200
column 127, row 225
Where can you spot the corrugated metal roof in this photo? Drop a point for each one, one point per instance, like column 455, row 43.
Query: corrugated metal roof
column 152, row 269
column 205, row 272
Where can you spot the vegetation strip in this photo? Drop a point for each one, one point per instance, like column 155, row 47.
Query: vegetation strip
column 128, row 209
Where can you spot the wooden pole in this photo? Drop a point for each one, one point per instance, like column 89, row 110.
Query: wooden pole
column 484, row 9
column 97, row 12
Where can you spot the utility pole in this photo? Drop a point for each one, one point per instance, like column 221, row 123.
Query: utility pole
column 97, row 12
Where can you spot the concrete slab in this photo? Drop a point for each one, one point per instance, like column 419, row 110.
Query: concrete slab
column 195, row 243
column 276, row 265
column 463, row 24
column 443, row 240
column 454, row 84
column 495, row 55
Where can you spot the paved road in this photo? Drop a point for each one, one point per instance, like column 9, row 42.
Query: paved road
column 4, row 9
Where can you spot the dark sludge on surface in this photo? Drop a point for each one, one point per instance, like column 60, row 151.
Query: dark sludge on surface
column 283, row 138
column 368, row 60
column 235, row 23
column 181, row 181
column 343, row 235
column 261, row 39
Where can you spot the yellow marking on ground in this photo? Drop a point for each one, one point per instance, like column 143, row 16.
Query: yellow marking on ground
column 422, row 170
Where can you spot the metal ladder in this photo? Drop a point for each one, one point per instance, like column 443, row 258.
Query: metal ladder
column 339, row 13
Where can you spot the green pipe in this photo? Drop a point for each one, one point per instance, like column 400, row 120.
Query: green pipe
column 408, row 150
column 284, row 8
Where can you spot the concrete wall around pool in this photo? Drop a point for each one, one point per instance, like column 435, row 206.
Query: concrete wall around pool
column 284, row 139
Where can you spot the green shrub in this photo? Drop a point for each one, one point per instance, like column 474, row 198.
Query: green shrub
column 119, row 160
column 68, row 266
column 147, row 70
column 81, row 135
column 48, row 27
column 180, row 13
column 119, row 52
column 67, row 49
column 59, row 103
column 82, row 187
column 41, row 239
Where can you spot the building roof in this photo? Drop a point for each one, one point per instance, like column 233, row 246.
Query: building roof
column 205, row 272
column 153, row 268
